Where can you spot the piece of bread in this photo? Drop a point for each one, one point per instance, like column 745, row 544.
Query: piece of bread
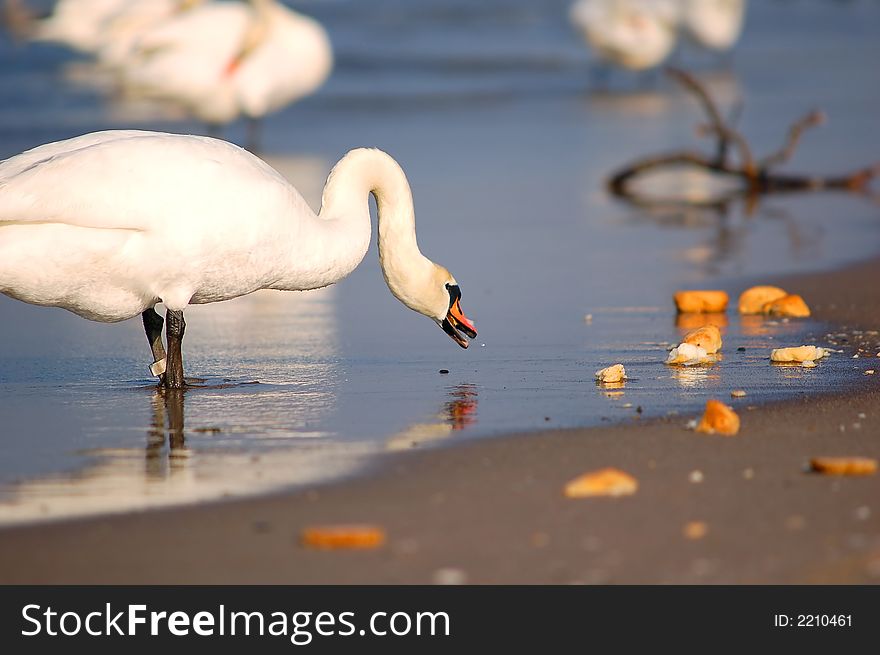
column 605, row 482
column 791, row 305
column 701, row 301
column 752, row 300
column 708, row 338
column 718, row 419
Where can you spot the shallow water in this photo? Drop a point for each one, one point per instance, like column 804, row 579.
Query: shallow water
column 488, row 107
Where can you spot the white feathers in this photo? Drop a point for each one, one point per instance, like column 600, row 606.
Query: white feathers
column 108, row 224
column 641, row 34
column 224, row 59
column 219, row 60
column 634, row 34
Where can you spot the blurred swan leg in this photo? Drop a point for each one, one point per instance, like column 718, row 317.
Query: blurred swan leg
column 153, row 327
column 649, row 78
column 174, row 331
column 601, row 76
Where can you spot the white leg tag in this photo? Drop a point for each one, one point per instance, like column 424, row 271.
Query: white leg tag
column 157, row 368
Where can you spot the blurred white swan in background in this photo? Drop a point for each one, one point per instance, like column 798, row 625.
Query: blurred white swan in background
column 122, row 28
column 633, row 34
column 223, row 60
column 713, row 24
column 107, row 225
column 77, row 23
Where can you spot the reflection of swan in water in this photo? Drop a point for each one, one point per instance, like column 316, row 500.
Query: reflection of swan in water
column 458, row 412
column 166, row 429
column 202, row 459
column 236, row 440
column 638, row 102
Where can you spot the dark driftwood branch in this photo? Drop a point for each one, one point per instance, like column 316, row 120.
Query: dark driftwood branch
column 813, row 119
column 726, row 135
column 756, row 175
column 717, row 124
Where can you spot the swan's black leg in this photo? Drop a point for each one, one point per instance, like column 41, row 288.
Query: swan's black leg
column 254, row 132
column 153, row 327
column 175, row 327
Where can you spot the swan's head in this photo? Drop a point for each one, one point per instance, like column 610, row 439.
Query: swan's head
column 452, row 320
column 441, row 301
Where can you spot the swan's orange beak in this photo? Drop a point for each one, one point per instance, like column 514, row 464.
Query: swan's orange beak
column 456, row 322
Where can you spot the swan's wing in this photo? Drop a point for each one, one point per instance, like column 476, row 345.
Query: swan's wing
column 15, row 165
column 188, row 51
column 294, row 60
column 121, row 29
column 144, row 181
column 76, row 22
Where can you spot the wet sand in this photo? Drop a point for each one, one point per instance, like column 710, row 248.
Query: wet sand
column 493, row 509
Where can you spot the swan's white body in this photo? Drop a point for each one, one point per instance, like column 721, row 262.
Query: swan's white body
column 77, row 23
column 120, row 31
column 109, row 224
column 633, row 34
column 714, row 24
column 189, row 59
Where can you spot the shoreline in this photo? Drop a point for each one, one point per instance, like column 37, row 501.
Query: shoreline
column 492, row 509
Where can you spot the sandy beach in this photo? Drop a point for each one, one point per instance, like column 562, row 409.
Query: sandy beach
column 492, row 510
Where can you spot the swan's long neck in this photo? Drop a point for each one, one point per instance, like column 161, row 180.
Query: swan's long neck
column 346, row 200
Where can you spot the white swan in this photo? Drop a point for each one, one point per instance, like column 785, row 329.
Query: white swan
column 121, row 29
column 714, row 24
column 223, row 60
column 77, row 23
column 633, row 34
column 109, row 224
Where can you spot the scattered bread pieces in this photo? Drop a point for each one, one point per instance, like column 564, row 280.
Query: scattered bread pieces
column 695, row 530
column 605, row 482
column 615, row 373
column 800, row 354
column 738, row 393
column 329, row 537
column 788, row 306
column 844, row 465
column 686, row 354
column 752, row 301
column 708, row 338
column 700, row 302
column 718, row 419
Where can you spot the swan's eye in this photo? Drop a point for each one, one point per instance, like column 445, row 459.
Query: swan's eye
column 454, row 293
